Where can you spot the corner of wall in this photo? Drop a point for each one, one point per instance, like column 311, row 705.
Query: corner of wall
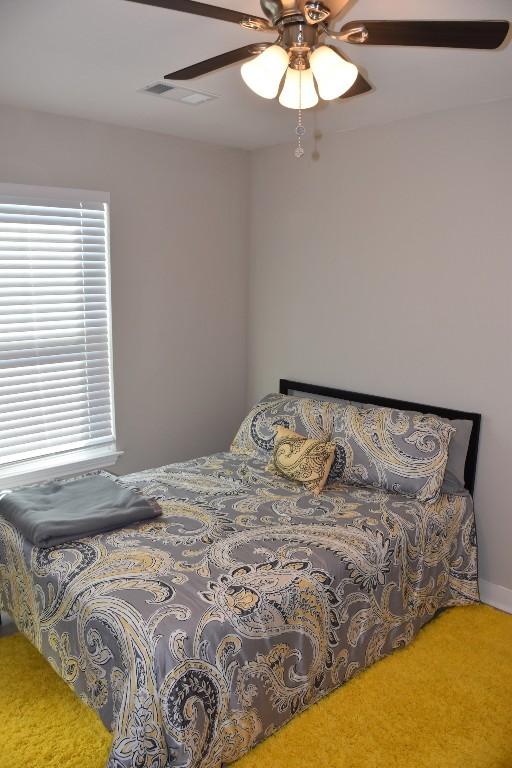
column 496, row 595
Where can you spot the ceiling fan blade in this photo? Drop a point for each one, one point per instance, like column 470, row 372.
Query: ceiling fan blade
column 435, row 34
column 210, row 11
column 360, row 86
column 217, row 62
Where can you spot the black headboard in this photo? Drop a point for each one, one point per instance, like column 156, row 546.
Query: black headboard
column 286, row 386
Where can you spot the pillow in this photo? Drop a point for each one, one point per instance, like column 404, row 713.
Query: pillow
column 256, row 434
column 402, row 452
column 457, row 452
column 303, row 459
column 459, row 445
column 453, row 481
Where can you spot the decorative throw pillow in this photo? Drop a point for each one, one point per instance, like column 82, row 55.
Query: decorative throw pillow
column 309, row 418
column 303, row 459
column 403, row 452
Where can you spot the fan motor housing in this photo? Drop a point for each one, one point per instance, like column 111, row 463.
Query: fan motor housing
column 311, row 11
column 296, row 34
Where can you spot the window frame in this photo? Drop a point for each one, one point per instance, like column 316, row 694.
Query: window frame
column 79, row 460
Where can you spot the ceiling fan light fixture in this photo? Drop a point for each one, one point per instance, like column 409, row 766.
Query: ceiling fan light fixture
column 334, row 75
column 264, row 73
column 299, row 90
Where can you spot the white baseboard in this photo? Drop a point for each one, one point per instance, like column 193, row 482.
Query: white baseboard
column 495, row 595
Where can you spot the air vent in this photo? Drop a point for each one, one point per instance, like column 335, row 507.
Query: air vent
column 158, row 88
column 177, row 93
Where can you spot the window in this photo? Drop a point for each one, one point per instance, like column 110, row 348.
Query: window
column 56, row 399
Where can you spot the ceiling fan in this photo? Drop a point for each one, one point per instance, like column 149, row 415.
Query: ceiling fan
column 302, row 26
column 301, row 52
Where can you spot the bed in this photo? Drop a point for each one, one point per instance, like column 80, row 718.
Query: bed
column 198, row 634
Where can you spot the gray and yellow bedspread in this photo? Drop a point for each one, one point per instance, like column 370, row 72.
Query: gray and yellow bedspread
column 197, row 634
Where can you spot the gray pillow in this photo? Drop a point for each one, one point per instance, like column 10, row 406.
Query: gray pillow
column 402, row 452
column 257, row 431
column 459, row 444
column 457, row 451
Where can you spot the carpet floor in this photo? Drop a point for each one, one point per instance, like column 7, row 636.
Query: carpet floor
column 443, row 702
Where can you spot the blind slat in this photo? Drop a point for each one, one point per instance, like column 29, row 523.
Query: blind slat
column 75, row 272
column 56, row 252
column 56, row 260
column 42, row 304
column 75, row 282
column 64, row 208
column 19, row 217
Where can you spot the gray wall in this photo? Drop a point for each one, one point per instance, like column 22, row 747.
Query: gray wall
column 386, row 267
column 179, row 273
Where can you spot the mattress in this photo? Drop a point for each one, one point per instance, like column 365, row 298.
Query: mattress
column 199, row 633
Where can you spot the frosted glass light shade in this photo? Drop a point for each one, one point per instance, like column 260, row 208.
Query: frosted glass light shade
column 263, row 74
column 333, row 75
column 299, row 90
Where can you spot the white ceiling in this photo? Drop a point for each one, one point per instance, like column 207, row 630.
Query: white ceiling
column 90, row 58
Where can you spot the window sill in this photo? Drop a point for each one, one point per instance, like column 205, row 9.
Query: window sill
column 51, row 467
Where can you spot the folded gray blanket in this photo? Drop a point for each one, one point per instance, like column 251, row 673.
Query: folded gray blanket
column 55, row 513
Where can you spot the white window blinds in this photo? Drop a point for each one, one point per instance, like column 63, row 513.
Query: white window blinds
column 55, row 359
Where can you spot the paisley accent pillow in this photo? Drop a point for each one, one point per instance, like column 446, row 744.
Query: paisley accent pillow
column 403, row 452
column 309, row 418
column 303, row 459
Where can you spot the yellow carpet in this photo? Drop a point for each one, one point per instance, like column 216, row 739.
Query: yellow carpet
column 43, row 724
column 444, row 702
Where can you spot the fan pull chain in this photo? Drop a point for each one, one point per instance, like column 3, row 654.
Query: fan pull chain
column 299, row 130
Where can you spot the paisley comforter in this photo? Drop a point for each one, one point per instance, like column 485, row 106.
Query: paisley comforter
column 198, row 634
